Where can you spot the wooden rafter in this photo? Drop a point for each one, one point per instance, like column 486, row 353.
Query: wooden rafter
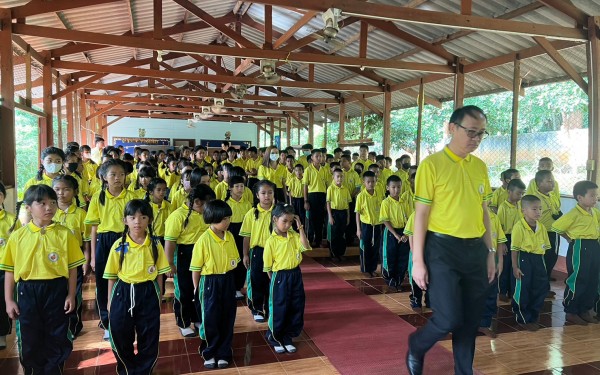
column 295, row 27
column 567, row 7
column 504, row 83
column 562, row 62
column 36, row 7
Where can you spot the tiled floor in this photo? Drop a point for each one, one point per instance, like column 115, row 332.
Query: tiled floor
column 555, row 349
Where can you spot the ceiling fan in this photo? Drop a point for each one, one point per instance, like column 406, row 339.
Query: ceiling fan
column 219, row 107
column 205, row 114
column 239, row 91
column 331, row 18
column 268, row 75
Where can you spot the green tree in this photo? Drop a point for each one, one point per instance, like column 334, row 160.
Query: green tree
column 27, row 144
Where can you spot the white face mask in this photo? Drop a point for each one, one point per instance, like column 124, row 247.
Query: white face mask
column 273, row 157
column 306, row 152
column 52, row 167
column 187, row 185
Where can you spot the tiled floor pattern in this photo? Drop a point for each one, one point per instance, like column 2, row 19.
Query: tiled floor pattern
column 557, row 348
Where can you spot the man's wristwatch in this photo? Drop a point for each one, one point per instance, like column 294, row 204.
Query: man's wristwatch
column 492, row 250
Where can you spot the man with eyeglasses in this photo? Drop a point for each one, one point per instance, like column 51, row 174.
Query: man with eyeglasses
column 453, row 257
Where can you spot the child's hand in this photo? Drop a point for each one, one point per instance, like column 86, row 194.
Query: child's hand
column 517, row 272
column 331, row 221
column 86, row 269
column 246, row 261
column 307, row 206
column 12, row 309
column 358, row 234
column 398, row 238
column 108, row 305
column 93, row 264
column 297, row 220
column 173, row 270
column 499, row 268
column 404, row 238
column 69, row 304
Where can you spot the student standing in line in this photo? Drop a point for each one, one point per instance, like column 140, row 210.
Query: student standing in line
column 135, row 268
column 40, row 262
column 106, row 227
column 296, row 191
column 368, row 204
column 213, row 265
column 338, row 203
column 581, row 228
column 282, row 258
column 315, row 189
column 501, row 194
column 255, row 230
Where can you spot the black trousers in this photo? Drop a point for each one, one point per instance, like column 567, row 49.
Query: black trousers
column 491, row 305
column 457, row 284
column 104, row 243
column 5, row 321
column 531, row 289
column 394, row 258
column 240, row 271
column 504, row 283
column 217, row 297
column 583, row 266
column 351, row 228
column 183, row 303
column 316, row 217
column 45, row 342
column 298, row 204
column 135, row 315
column 336, row 233
column 369, row 247
column 287, row 302
column 416, row 293
column 258, row 284
column 551, row 255
column 279, row 195
column 75, row 322
column 251, row 182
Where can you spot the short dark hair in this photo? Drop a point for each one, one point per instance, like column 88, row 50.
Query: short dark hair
column 393, row 178
column 307, row 146
column 337, row 149
column 508, row 173
column 226, row 143
column 545, row 159
column 346, row 157
column 469, row 110
column 379, row 158
column 368, row 174
column 337, row 170
column 299, row 166
column 252, row 149
column 363, row 145
column 281, row 209
column 582, row 187
column 529, row 199
column 516, row 184
column 215, row 211
column 375, row 166
column 334, row 164
column 315, row 150
column 37, row 193
column 540, row 175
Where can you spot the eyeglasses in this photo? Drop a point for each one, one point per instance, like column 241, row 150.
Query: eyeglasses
column 474, row 134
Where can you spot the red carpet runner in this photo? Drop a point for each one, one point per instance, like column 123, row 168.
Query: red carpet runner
column 358, row 335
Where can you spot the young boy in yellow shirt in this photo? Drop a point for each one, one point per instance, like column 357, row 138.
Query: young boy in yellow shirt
column 501, row 194
column 337, row 200
column 368, row 203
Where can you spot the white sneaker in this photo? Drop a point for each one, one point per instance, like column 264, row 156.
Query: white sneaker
column 290, row 348
column 238, row 295
column 197, row 325
column 106, row 335
column 187, row 332
column 279, row 349
column 210, row 363
column 2, row 342
column 259, row 318
column 223, row 363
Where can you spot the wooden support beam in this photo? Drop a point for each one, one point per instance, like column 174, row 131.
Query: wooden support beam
column 82, row 115
column 271, row 132
column 59, row 115
column 436, row 18
column 295, row 27
column 362, row 46
column 288, row 131
column 113, row 121
column 515, row 112
column 70, row 119
column 8, row 155
column 567, row 7
column 217, row 50
column 428, row 100
column 465, row 7
column 562, row 62
column 459, row 85
column 593, row 57
column 367, row 104
column 101, row 111
column 342, row 122
column 79, row 85
column 36, row 7
column 28, row 83
column 489, row 76
column 325, row 128
column 387, row 123
column 311, row 127
column 421, row 104
column 46, row 123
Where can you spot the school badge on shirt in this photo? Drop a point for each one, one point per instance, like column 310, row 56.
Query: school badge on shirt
column 151, row 269
column 481, row 189
column 2, row 242
column 53, row 257
column 232, row 263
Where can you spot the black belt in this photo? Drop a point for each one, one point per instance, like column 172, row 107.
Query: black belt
column 449, row 237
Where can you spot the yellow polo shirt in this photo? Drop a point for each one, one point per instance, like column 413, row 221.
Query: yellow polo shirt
column 83, row 191
column 74, row 219
column 33, row 253
column 352, row 180
column 240, row 163
column 179, row 198
column 253, row 164
column 497, row 233
column 138, row 263
column 108, row 216
column 365, row 163
column 455, row 188
column 221, row 190
column 89, row 170
column 385, row 173
column 213, row 255
column 256, row 229
column 276, row 176
column 172, row 179
column 408, row 197
column 509, row 214
column 283, row 253
column 368, row 206
column 161, row 213
column 295, row 186
column 176, row 232
column 532, row 188
column 239, row 209
column 338, row 197
column 304, row 160
column 579, row 224
column 316, row 179
column 409, row 229
column 525, row 239
column 498, row 196
column 6, row 221
column 550, row 206
column 394, row 211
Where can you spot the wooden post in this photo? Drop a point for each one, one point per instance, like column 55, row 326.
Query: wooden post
column 8, row 153
column 325, row 128
column 459, row 84
column 515, row 111
column 59, row 113
column 46, row 125
column 271, row 132
column 387, row 122
column 82, row 122
column 268, row 27
column 342, row 121
column 420, row 122
column 311, row 126
column 257, row 136
column 70, row 121
column 288, row 131
column 280, row 139
column 593, row 98
column 298, row 132
column 28, row 77
column 102, row 123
